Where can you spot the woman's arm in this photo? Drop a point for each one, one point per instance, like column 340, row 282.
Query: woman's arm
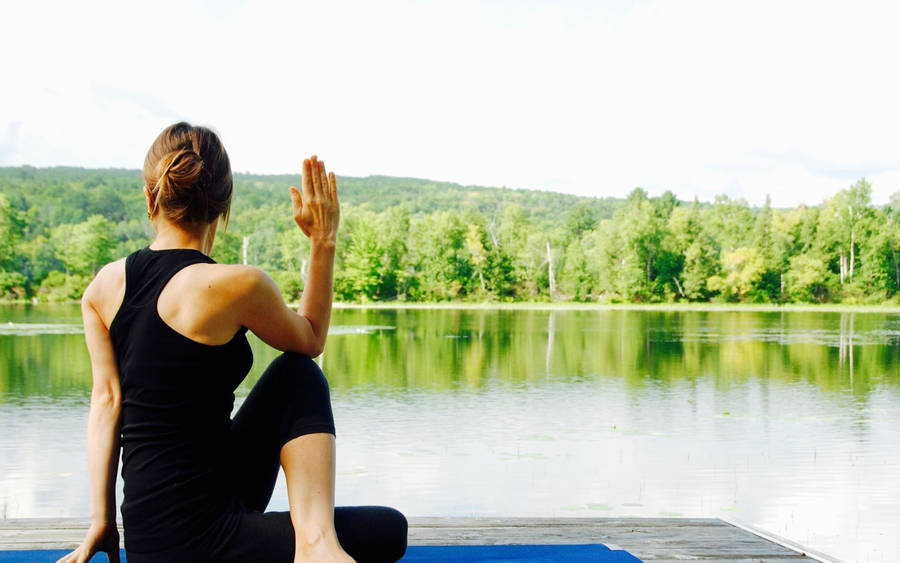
column 103, row 435
column 260, row 306
column 104, row 417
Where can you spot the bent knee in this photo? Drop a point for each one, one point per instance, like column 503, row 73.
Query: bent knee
column 371, row 533
column 293, row 370
column 393, row 529
column 400, row 528
column 295, row 361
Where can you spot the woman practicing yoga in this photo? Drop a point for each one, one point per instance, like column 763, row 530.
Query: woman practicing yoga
column 165, row 329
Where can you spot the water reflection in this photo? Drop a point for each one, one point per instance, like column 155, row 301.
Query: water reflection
column 402, row 350
column 783, row 420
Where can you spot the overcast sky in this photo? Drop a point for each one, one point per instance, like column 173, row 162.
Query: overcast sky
column 793, row 99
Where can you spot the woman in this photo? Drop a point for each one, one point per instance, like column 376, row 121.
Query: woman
column 165, row 329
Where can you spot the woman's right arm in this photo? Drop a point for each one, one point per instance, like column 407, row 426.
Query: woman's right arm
column 103, row 434
column 260, row 306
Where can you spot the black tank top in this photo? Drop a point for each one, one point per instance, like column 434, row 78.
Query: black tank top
column 176, row 408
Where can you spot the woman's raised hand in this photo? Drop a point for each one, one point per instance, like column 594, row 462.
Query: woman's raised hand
column 317, row 211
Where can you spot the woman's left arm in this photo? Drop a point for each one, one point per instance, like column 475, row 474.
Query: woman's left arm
column 103, row 436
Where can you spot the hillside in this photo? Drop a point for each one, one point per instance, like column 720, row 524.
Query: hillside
column 70, row 195
column 407, row 239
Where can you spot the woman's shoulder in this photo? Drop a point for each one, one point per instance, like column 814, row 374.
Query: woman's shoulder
column 236, row 274
column 104, row 293
column 110, row 276
column 231, row 281
column 232, row 290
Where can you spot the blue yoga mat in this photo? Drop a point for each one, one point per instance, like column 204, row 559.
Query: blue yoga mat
column 593, row 553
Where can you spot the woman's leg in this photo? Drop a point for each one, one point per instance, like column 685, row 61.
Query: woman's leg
column 287, row 418
column 308, row 463
column 369, row 534
column 290, row 399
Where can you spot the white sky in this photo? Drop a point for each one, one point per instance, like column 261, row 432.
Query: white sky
column 794, row 99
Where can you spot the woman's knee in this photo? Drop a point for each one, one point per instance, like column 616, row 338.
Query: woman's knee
column 299, row 393
column 399, row 529
column 371, row 533
column 293, row 372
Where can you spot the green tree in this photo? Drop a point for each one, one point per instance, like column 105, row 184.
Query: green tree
column 665, row 205
column 771, row 238
column 477, row 254
column 227, row 248
column 358, row 277
column 729, row 222
column 876, row 274
column 440, row 267
column 512, row 240
column 684, row 228
column 12, row 285
column 85, row 246
column 394, row 265
column 638, row 231
column 805, row 278
column 841, row 222
column 742, row 269
column 892, row 230
column 12, row 229
column 701, row 263
column 580, row 219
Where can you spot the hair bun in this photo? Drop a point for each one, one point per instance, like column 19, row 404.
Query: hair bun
column 182, row 182
column 181, row 169
column 188, row 175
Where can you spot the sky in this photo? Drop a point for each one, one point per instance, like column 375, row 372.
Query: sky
column 796, row 100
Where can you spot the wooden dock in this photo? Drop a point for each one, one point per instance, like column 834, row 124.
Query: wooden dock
column 650, row 539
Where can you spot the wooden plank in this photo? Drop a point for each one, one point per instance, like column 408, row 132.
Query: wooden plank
column 650, row 539
column 430, row 521
column 783, row 541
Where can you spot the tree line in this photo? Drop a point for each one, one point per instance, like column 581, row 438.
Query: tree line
column 405, row 239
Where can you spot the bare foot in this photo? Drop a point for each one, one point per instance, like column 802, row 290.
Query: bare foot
column 323, row 550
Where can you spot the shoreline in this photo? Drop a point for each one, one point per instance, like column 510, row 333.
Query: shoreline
column 662, row 307
column 574, row 306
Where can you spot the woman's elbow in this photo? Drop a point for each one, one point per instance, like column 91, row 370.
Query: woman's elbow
column 310, row 343
column 106, row 397
column 313, row 350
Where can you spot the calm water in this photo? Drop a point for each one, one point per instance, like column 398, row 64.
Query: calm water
column 785, row 421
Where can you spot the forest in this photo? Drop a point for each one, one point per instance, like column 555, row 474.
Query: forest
column 415, row 240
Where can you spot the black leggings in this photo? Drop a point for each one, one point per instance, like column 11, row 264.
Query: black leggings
column 290, row 399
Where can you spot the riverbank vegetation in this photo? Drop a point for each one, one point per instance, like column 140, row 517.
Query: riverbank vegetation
column 409, row 240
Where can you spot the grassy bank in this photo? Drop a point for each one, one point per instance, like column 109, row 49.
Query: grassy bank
column 571, row 306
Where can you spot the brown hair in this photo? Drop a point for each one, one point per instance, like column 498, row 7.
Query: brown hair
column 189, row 175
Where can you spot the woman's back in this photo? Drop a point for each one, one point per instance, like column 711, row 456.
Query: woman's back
column 165, row 330
column 177, row 400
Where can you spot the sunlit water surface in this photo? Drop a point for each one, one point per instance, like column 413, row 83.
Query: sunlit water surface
column 784, row 421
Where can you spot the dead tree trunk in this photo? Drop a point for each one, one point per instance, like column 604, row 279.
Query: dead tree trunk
column 896, row 264
column 843, row 266
column 550, row 272
column 678, row 285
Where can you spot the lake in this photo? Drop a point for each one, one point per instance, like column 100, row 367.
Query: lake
column 786, row 421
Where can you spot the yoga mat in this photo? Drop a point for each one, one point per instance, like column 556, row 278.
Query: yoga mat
column 591, row 553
